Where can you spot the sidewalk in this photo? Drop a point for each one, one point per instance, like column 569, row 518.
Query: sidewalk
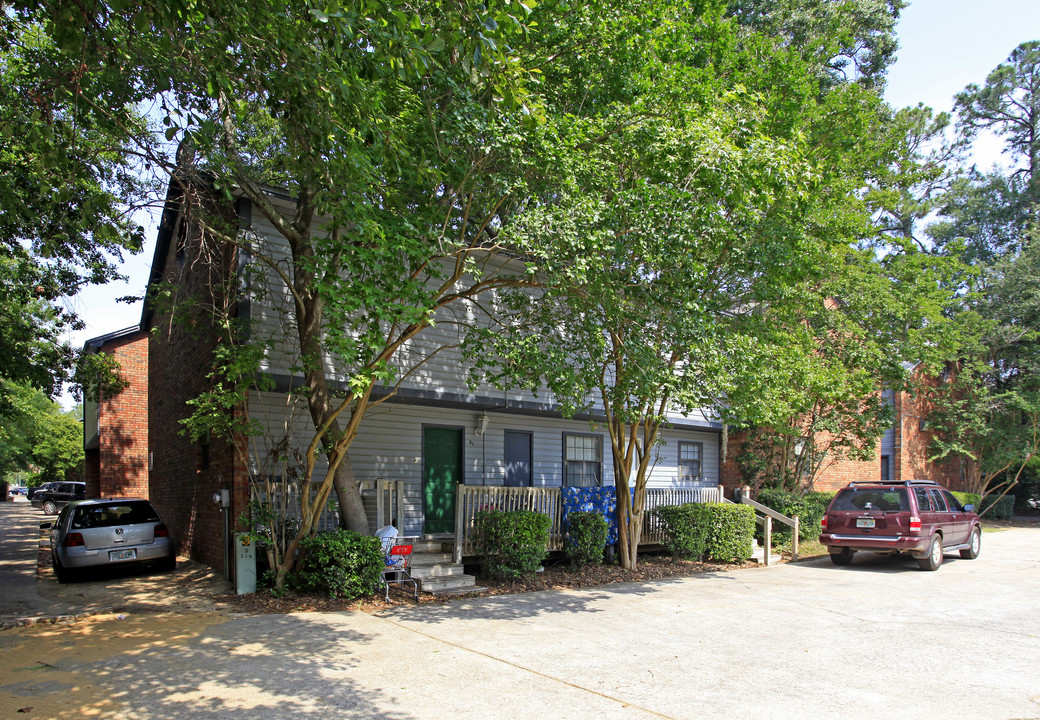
column 19, row 546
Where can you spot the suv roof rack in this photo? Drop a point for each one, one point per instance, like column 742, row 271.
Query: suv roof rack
column 906, row 483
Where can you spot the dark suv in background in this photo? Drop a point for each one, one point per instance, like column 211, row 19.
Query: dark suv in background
column 916, row 517
column 57, row 496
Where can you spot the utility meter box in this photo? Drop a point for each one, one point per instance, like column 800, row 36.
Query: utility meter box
column 245, row 564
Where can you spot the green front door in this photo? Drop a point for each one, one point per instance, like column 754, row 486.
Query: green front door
column 442, row 471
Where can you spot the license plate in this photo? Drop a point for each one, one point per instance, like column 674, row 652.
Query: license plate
column 128, row 554
column 864, row 522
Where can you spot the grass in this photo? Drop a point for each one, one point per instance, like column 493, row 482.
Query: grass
column 806, row 548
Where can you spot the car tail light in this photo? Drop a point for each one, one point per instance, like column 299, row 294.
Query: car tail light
column 823, row 523
column 915, row 524
column 161, row 531
column 73, row 540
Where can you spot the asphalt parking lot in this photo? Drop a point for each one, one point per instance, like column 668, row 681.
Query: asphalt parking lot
column 875, row 640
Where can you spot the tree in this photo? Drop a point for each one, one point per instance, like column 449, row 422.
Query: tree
column 851, row 40
column 37, row 438
column 698, row 221
column 67, row 186
column 398, row 134
column 1009, row 104
column 986, row 411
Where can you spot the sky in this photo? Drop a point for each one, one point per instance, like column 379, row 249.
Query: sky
column 944, row 46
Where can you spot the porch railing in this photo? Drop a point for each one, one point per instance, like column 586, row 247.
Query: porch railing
column 285, row 505
column 472, row 498
column 384, row 503
column 766, row 521
column 653, row 528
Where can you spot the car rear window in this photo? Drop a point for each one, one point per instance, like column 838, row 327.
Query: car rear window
column 127, row 513
column 877, row 499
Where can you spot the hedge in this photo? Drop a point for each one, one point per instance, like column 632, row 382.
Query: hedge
column 1003, row 509
column 586, row 538
column 727, row 530
column 339, row 563
column 513, row 542
column 808, row 506
column 713, row 531
column 681, row 539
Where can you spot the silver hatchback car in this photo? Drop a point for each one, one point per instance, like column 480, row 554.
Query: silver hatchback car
column 107, row 533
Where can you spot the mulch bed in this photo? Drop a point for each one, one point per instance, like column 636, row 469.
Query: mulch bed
column 557, row 576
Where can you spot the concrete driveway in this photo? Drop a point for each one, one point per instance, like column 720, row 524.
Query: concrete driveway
column 876, row 640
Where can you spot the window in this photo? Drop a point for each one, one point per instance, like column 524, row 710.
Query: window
column 925, row 503
column 690, row 456
column 582, row 460
column 951, row 502
column 886, row 468
column 937, row 500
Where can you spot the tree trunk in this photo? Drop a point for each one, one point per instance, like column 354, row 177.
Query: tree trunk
column 351, row 508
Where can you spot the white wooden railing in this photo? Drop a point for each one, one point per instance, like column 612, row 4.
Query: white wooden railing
column 384, row 503
column 766, row 518
column 653, row 528
column 285, row 505
column 470, row 499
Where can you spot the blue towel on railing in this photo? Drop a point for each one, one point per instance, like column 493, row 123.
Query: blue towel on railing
column 602, row 500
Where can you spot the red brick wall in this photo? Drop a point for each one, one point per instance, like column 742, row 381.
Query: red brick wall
column 910, row 461
column 183, row 481
column 122, row 457
column 909, row 457
column 834, row 475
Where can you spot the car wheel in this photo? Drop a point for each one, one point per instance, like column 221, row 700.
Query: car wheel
column 49, row 508
column 843, row 556
column 972, row 551
column 934, row 559
column 63, row 574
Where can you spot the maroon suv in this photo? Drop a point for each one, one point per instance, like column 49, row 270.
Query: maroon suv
column 917, row 517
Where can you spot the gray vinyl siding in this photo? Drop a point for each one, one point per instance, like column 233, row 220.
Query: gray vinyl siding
column 271, row 321
column 445, row 374
column 389, row 446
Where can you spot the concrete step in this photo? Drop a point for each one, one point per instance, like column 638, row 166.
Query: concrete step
column 759, row 555
column 457, row 584
column 432, row 571
column 422, row 559
column 429, row 546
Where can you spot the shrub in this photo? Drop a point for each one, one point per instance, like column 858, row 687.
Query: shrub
column 340, row 563
column 967, row 498
column 681, row 538
column 716, row 531
column 513, row 542
column 726, row 530
column 586, row 537
column 1002, row 509
column 808, row 506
